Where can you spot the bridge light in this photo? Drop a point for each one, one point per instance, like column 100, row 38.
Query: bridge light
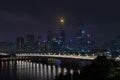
column 59, row 53
column 48, row 53
column 68, row 54
column 117, row 58
column 119, row 55
column 109, row 55
column 86, row 55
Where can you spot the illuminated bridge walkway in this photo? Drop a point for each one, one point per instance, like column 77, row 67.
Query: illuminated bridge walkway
column 64, row 59
column 58, row 58
column 85, row 57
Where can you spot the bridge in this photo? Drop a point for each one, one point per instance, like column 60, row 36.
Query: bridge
column 64, row 59
column 85, row 57
column 52, row 58
column 59, row 55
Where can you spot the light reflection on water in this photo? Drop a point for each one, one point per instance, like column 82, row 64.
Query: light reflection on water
column 25, row 70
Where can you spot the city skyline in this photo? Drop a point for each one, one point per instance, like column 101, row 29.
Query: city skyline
column 60, row 40
column 37, row 17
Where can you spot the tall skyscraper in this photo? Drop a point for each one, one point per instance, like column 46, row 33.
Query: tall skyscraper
column 39, row 43
column 62, row 31
column 83, row 40
column 4, row 46
column 80, row 38
column 20, row 44
column 40, row 38
column 30, row 43
column 49, row 36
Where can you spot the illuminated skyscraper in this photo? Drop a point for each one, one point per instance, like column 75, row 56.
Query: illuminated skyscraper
column 80, row 40
column 52, row 42
column 49, row 47
column 83, row 40
column 62, row 31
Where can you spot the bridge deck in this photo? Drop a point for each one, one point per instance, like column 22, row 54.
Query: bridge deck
column 58, row 56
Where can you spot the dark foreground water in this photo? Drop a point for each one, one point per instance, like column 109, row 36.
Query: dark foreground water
column 25, row 70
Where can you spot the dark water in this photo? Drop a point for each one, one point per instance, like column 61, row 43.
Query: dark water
column 24, row 70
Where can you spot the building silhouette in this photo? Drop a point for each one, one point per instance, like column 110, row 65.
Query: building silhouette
column 83, row 40
column 30, row 43
column 20, row 44
column 39, row 43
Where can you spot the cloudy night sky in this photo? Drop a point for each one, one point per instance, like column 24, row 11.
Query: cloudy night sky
column 22, row 17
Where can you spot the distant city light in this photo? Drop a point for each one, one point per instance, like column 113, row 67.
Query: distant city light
column 88, row 35
column 61, row 20
column 88, row 42
column 83, row 31
column 71, row 40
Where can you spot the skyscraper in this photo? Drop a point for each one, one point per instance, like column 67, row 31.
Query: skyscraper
column 62, row 31
column 39, row 43
column 20, row 44
column 83, row 40
column 30, row 43
column 49, row 36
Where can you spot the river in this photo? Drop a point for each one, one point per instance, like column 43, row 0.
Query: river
column 26, row 70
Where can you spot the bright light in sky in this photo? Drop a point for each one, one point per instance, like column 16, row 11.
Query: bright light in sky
column 62, row 20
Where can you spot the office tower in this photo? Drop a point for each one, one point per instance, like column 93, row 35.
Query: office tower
column 62, row 31
column 30, row 43
column 39, row 43
column 84, row 41
column 49, row 36
column 20, row 44
column 4, row 47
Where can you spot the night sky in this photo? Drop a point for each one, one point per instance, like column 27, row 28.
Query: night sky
column 22, row 17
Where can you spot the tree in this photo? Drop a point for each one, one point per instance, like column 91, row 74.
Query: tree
column 100, row 69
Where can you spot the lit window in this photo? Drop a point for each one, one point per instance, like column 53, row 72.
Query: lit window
column 88, row 35
column 88, row 42
column 83, row 31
